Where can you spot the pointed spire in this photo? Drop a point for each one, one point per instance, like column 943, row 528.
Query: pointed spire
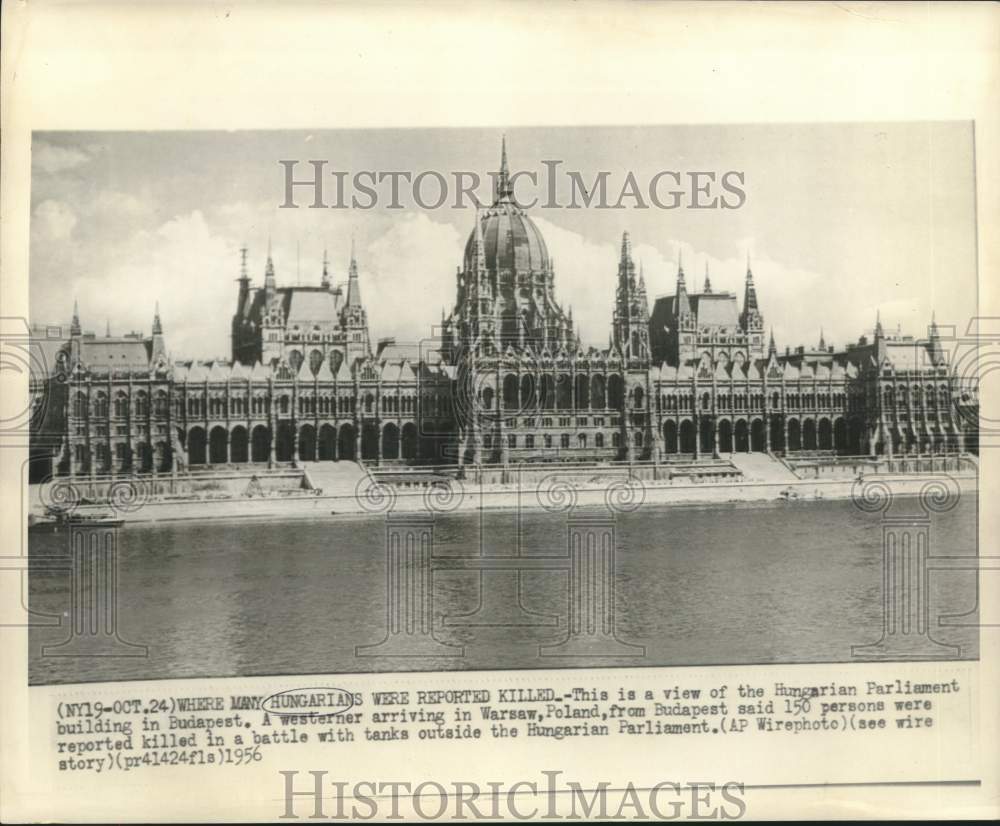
column 878, row 324
column 325, row 281
column 353, row 286
column 822, row 340
column 626, row 257
column 107, row 328
column 708, row 281
column 74, row 327
column 771, row 349
column 157, row 325
column 244, row 276
column 269, row 282
column 751, row 310
column 504, row 191
column 682, row 303
column 642, row 277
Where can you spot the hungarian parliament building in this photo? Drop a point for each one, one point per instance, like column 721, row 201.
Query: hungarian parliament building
column 504, row 380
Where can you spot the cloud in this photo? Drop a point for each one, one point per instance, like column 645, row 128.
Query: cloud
column 407, row 276
column 797, row 302
column 51, row 159
column 178, row 264
column 53, row 221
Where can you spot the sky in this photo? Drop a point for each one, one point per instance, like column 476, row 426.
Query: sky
column 839, row 221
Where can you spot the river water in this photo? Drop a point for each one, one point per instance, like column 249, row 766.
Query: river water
column 726, row 584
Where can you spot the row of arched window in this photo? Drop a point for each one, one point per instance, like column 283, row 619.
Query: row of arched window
column 930, row 396
column 565, row 440
column 122, row 407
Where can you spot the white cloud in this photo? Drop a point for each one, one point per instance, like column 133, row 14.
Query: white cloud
column 54, row 221
column 179, row 264
column 52, row 159
column 797, row 302
column 407, row 276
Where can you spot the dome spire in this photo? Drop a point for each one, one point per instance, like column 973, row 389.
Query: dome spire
column 504, row 191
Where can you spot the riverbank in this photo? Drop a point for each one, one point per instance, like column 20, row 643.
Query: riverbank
column 559, row 496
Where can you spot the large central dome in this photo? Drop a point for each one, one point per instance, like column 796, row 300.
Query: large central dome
column 511, row 241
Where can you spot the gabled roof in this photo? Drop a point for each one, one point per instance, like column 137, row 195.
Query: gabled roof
column 260, row 372
column 324, row 374
column 218, row 371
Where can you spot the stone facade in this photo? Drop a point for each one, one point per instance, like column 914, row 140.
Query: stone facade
column 506, row 380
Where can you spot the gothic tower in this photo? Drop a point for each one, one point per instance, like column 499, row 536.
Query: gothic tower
column 751, row 319
column 354, row 318
column 630, row 327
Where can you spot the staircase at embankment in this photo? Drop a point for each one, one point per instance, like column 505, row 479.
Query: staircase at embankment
column 335, row 478
column 759, row 467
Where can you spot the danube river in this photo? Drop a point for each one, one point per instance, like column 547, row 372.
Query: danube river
column 727, row 584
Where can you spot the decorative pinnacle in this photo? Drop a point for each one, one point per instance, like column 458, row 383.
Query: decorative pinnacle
column 157, row 326
column 708, row 281
column 503, row 179
column 626, row 248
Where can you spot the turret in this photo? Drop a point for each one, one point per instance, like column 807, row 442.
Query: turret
column 630, row 325
column 353, row 283
column 751, row 320
column 75, row 336
column 270, row 285
column 325, row 280
column 936, row 350
column 354, row 318
column 159, row 347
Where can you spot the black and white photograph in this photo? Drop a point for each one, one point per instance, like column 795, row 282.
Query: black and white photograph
column 553, row 412
column 497, row 411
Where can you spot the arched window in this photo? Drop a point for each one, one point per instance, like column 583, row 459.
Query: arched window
column 315, row 361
